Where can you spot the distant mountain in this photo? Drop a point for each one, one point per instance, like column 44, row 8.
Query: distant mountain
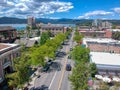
column 11, row 20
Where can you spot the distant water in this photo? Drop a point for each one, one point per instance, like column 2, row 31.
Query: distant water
column 66, row 25
column 23, row 26
column 16, row 26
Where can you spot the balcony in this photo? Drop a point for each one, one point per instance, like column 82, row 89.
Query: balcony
column 6, row 64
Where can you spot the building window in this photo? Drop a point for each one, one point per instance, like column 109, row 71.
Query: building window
column 5, row 60
column 17, row 54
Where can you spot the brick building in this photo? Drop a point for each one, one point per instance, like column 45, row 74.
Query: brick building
column 7, row 53
column 7, row 34
column 103, row 45
column 53, row 29
column 90, row 32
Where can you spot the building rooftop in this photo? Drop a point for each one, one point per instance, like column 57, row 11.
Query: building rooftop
column 4, row 47
column 52, row 26
column 100, row 40
column 91, row 31
column 105, row 58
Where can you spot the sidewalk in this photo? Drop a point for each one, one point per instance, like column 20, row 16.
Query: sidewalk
column 30, row 85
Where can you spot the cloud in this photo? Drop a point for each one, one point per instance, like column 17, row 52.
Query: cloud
column 95, row 13
column 117, row 10
column 38, row 8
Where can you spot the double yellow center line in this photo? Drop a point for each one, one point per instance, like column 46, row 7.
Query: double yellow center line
column 63, row 71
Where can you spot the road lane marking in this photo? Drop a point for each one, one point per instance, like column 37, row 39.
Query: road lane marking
column 63, row 71
column 52, row 80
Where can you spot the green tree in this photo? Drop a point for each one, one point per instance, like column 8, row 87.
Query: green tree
column 80, row 54
column 93, row 69
column 113, row 26
column 116, row 35
column 79, row 77
column 78, row 37
column 44, row 37
column 21, row 74
column 37, row 57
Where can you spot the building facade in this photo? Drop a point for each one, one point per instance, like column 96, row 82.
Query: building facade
column 7, row 34
column 53, row 29
column 8, row 52
column 103, row 45
column 97, row 34
column 105, row 53
column 31, row 21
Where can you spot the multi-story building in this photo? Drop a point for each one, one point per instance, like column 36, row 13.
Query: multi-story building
column 105, row 53
column 53, row 29
column 88, row 32
column 31, row 21
column 100, row 24
column 97, row 23
column 106, row 24
column 7, row 53
column 103, row 45
column 7, row 34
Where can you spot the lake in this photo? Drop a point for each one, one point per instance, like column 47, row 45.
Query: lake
column 23, row 26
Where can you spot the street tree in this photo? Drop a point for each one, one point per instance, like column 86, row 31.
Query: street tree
column 93, row 69
column 79, row 76
column 80, row 54
column 44, row 37
column 21, row 74
column 78, row 37
column 116, row 35
column 37, row 57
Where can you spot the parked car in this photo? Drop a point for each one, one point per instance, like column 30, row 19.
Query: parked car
column 45, row 68
column 69, row 57
column 68, row 67
column 71, row 49
column 49, row 62
column 38, row 76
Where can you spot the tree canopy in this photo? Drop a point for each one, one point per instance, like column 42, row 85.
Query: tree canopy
column 80, row 54
column 44, row 37
column 21, row 74
column 78, row 37
column 79, row 77
column 116, row 35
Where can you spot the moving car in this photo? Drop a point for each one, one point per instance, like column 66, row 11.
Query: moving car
column 68, row 67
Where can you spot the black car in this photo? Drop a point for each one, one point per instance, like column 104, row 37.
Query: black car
column 49, row 62
column 69, row 57
column 71, row 49
column 45, row 68
column 68, row 67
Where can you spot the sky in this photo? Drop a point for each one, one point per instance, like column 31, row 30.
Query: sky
column 55, row 9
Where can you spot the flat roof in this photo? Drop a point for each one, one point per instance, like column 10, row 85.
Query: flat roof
column 100, row 40
column 35, row 38
column 105, row 58
column 2, row 46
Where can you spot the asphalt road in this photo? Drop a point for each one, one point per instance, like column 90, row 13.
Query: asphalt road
column 57, row 77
